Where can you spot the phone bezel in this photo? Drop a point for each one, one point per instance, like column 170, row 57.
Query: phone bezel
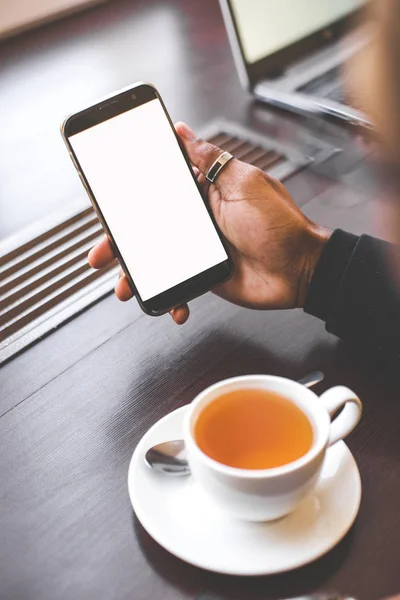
column 109, row 107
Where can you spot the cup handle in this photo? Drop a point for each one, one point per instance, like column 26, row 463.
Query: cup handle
column 345, row 422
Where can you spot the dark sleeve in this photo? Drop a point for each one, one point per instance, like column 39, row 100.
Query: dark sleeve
column 355, row 289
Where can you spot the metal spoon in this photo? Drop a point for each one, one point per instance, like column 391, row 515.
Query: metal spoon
column 170, row 457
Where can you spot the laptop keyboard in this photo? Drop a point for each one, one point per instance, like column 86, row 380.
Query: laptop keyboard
column 261, row 157
column 328, row 85
column 263, row 154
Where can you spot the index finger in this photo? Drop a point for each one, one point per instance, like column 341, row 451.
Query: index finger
column 101, row 254
column 201, row 154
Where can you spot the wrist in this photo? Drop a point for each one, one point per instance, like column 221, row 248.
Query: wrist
column 316, row 238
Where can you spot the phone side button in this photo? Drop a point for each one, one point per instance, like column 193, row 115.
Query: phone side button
column 74, row 161
column 83, row 182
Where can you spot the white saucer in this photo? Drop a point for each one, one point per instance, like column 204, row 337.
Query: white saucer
column 180, row 517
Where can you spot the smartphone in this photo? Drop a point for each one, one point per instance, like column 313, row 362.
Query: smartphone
column 144, row 191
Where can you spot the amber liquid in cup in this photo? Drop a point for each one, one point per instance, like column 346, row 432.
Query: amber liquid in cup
column 253, row 429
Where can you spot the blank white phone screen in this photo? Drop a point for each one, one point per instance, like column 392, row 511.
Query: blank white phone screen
column 148, row 198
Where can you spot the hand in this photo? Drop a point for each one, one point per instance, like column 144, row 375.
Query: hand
column 273, row 245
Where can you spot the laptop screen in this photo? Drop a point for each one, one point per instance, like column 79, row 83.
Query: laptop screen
column 267, row 26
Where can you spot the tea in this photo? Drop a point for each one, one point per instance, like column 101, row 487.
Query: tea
column 253, row 429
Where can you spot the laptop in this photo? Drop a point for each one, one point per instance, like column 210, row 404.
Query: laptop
column 289, row 53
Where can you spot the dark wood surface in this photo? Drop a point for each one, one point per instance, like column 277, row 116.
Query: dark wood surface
column 74, row 406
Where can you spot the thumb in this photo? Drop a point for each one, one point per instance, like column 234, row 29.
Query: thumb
column 201, row 154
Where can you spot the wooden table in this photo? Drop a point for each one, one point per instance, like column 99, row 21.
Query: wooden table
column 74, row 406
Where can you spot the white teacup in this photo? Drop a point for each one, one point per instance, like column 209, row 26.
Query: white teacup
column 268, row 494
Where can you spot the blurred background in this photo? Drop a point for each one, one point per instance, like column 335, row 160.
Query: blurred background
column 59, row 55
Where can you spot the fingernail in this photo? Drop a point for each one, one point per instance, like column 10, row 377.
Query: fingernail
column 187, row 133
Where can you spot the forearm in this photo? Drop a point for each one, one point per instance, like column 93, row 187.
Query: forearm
column 355, row 290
